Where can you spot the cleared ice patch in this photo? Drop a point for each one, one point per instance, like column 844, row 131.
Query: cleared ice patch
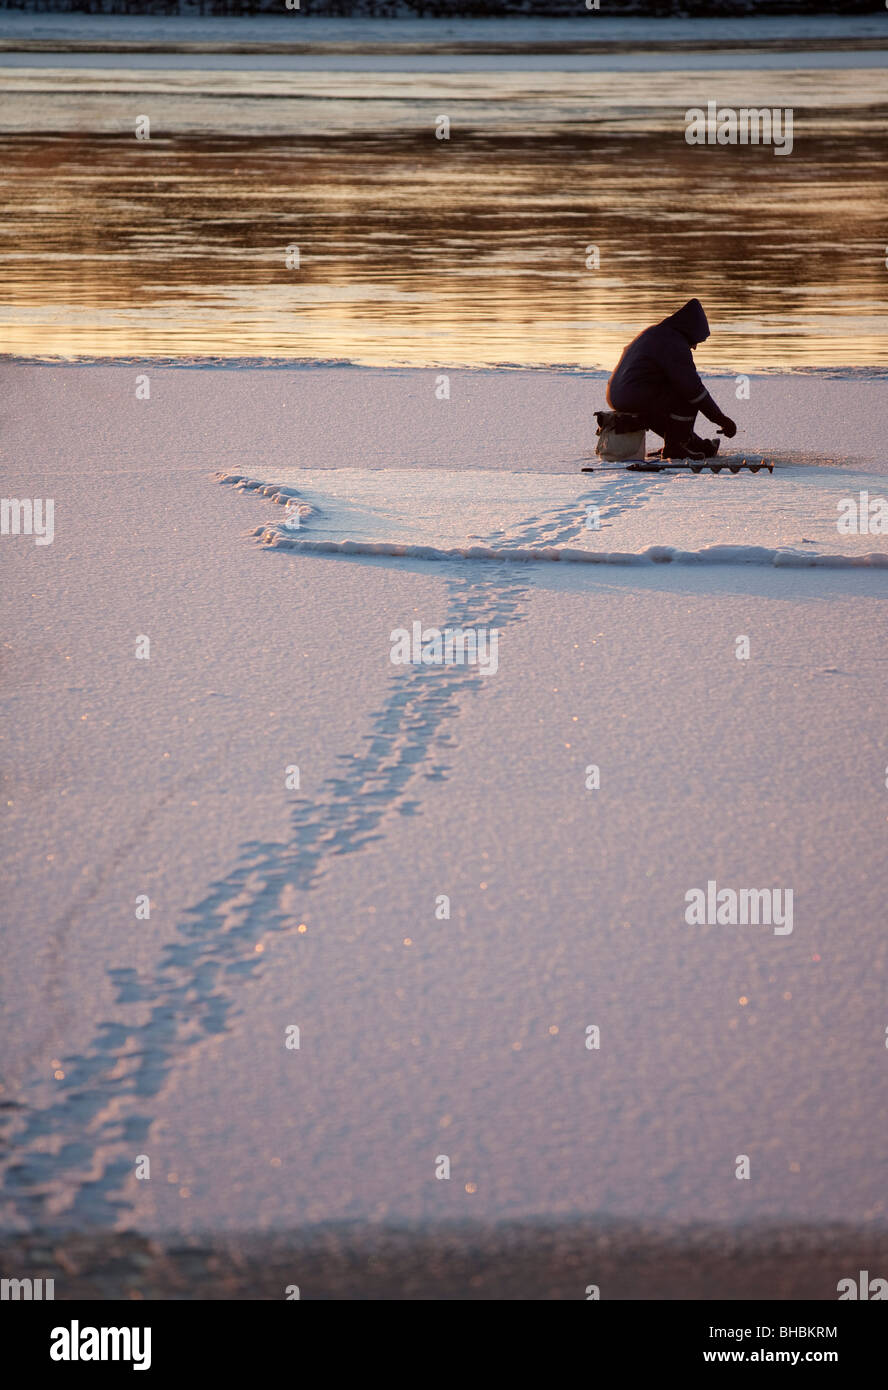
column 790, row 517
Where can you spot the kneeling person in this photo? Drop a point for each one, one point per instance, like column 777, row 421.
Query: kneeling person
column 657, row 380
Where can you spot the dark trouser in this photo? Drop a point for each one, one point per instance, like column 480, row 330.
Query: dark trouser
column 664, row 412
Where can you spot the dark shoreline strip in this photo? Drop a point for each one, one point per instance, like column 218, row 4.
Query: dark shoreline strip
column 449, row 48
column 526, row 1260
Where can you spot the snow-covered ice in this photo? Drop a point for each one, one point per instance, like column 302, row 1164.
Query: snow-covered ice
column 273, row 906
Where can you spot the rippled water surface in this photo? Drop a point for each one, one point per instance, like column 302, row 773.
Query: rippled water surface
column 413, row 249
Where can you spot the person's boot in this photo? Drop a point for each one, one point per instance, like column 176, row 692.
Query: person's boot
column 676, row 449
column 708, row 446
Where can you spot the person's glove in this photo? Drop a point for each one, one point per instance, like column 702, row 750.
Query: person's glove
column 727, row 427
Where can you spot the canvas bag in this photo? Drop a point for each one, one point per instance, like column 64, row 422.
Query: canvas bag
column 616, row 442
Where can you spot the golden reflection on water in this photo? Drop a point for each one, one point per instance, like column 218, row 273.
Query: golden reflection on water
column 474, row 255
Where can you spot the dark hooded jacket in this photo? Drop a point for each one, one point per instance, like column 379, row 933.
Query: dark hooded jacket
column 658, row 365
